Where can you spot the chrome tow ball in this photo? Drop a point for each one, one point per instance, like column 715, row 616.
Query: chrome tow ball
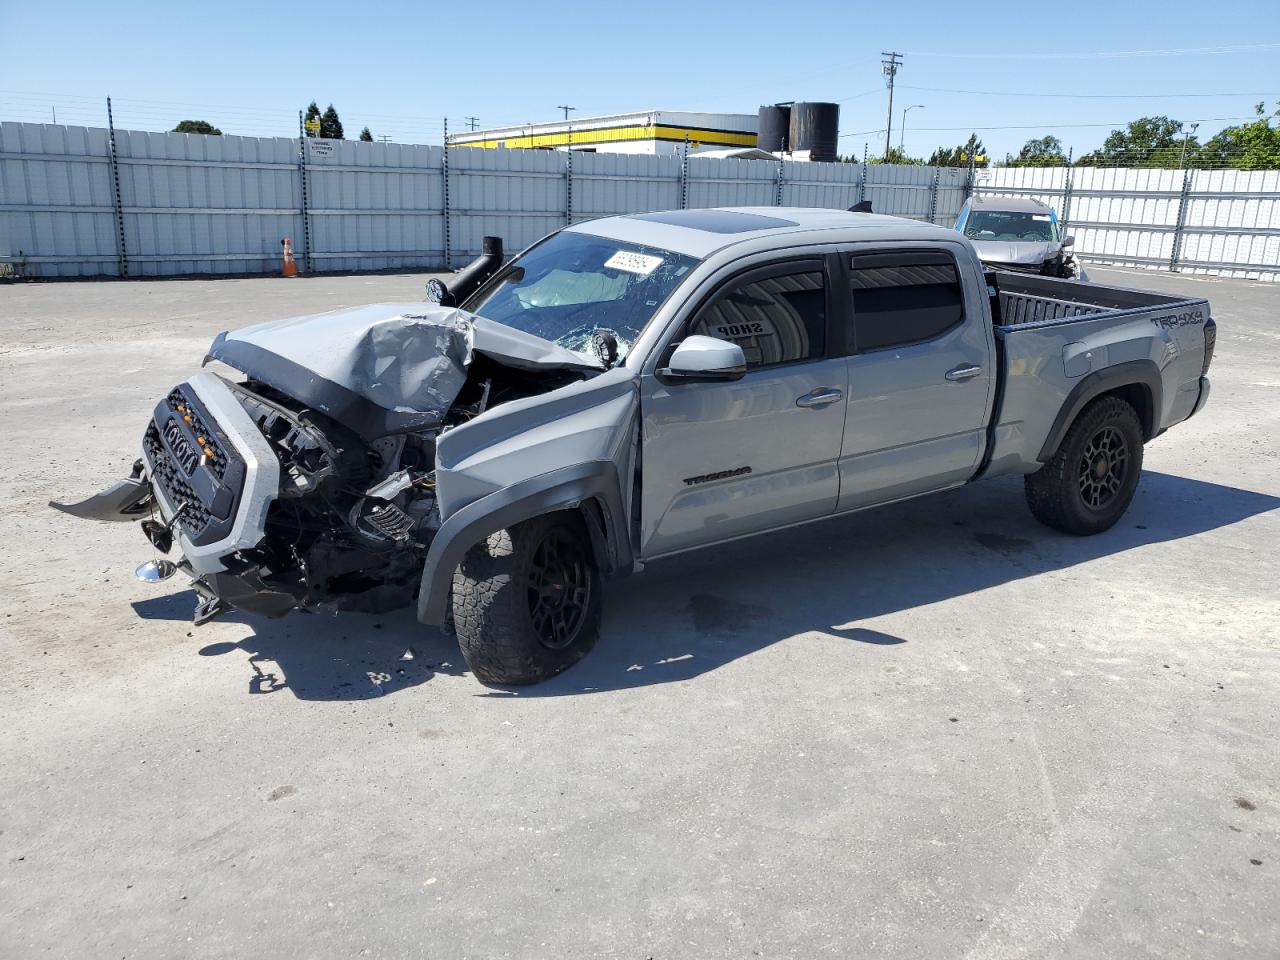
column 153, row 571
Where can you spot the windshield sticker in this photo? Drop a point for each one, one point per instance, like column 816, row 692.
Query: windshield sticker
column 1040, row 217
column 640, row 263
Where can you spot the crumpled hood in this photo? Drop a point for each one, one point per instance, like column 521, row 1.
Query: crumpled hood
column 384, row 368
column 1016, row 251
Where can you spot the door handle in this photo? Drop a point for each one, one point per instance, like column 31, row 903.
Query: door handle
column 965, row 371
column 821, row 397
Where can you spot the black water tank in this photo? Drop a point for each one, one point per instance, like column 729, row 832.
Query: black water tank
column 815, row 127
column 774, row 132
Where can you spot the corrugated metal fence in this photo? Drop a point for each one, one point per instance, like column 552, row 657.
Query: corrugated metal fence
column 1224, row 222
column 80, row 201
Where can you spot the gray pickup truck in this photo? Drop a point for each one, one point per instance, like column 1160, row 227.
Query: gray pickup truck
column 630, row 388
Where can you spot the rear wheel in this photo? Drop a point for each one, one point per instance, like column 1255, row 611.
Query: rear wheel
column 1088, row 484
column 527, row 601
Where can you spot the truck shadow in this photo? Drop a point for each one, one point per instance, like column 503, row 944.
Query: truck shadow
column 318, row 657
column 696, row 613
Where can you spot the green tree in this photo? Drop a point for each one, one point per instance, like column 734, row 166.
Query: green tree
column 366, row 136
column 896, row 155
column 330, row 125
column 971, row 149
column 197, row 126
column 1249, row 146
column 313, row 113
column 1039, row 152
column 1146, row 142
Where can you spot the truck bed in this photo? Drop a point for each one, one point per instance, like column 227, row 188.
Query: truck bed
column 1026, row 299
column 1060, row 340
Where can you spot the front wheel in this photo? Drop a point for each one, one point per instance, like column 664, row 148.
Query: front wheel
column 1087, row 485
column 527, row 601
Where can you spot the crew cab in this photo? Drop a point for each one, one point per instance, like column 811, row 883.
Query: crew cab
column 630, row 388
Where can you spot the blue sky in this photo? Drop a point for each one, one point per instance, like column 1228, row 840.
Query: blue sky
column 400, row 67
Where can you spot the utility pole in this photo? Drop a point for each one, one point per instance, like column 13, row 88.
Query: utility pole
column 472, row 122
column 566, row 110
column 889, row 67
column 1185, row 137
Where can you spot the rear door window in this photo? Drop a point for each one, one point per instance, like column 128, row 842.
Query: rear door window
column 903, row 298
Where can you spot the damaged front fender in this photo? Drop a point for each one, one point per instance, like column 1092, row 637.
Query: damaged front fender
column 563, row 450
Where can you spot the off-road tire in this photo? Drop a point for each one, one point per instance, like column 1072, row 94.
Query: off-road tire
column 494, row 599
column 1059, row 492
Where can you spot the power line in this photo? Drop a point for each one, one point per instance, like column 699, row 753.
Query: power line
column 1060, row 126
column 1117, row 124
column 856, row 96
column 1099, row 54
column 1086, row 96
column 141, row 106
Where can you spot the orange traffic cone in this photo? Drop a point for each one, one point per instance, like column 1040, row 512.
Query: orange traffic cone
column 290, row 267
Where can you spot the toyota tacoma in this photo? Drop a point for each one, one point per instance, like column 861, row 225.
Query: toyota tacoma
column 630, row 388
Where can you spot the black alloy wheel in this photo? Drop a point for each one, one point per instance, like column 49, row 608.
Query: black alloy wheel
column 1103, row 466
column 559, row 588
column 1088, row 483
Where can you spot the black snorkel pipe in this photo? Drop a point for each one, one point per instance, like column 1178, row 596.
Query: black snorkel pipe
column 467, row 280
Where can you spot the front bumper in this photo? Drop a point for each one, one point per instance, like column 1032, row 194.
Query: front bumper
column 130, row 499
column 1053, row 267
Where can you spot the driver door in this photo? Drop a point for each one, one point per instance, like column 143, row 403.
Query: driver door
column 722, row 460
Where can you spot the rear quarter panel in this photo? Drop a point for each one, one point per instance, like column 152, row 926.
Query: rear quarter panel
column 1045, row 362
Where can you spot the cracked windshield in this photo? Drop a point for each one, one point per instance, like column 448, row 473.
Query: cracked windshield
column 574, row 286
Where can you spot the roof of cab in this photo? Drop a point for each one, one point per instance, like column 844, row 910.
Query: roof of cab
column 702, row 231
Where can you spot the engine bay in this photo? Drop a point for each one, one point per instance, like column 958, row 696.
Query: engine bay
column 354, row 517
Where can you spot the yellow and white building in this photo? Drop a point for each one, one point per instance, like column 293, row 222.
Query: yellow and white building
column 653, row 132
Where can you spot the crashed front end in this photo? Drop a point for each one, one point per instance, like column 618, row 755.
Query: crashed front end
column 311, row 483
column 1043, row 258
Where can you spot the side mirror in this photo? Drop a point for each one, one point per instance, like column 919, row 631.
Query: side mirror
column 701, row 359
column 1068, row 242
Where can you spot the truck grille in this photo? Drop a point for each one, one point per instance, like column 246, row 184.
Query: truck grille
column 169, row 475
column 183, row 407
column 1048, row 268
column 192, row 463
column 187, row 458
